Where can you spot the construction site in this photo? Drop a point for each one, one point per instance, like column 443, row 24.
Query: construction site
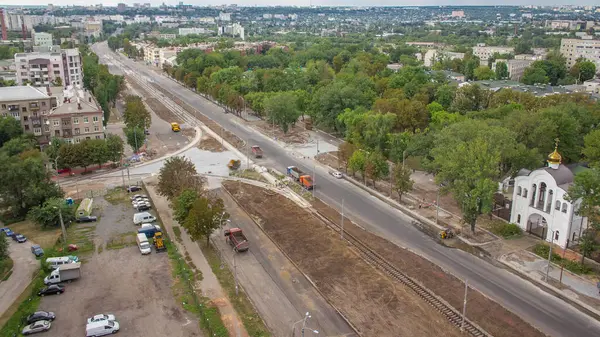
column 378, row 287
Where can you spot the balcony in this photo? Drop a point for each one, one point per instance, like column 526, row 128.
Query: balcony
column 13, row 108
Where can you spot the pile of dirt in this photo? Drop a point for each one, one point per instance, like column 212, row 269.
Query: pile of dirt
column 295, row 135
column 210, row 144
column 228, row 136
column 375, row 304
column 491, row 316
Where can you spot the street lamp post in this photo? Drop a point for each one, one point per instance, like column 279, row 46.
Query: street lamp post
column 235, row 272
column 304, row 327
column 549, row 253
column 62, row 225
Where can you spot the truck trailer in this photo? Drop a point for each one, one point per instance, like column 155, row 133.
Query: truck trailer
column 64, row 273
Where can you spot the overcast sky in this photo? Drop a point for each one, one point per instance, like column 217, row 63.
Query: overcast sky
column 316, row 2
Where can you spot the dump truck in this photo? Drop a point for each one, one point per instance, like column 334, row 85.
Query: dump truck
column 237, row 239
column 159, row 243
column 257, row 151
column 306, row 182
column 175, row 127
column 64, row 273
column 234, row 164
column 294, row 172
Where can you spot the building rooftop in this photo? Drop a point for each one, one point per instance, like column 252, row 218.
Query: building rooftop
column 21, row 93
column 73, row 100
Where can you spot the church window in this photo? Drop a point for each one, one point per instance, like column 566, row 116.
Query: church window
column 557, row 207
column 518, row 218
column 564, row 207
column 524, row 193
column 519, row 190
column 556, row 235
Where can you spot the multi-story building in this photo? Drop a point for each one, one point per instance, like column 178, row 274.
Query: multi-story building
column 592, row 86
column 31, row 106
column 43, row 68
column 566, row 24
column 77, row 117
column 233, row 30
column 433, row 55
column 41, row 39
column 573, row 49
column 458, row 14
column 486, row 52
column 516, row 68
column 92, row 28
column 195, row 30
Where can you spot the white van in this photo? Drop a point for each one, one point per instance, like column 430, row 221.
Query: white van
column 55, row 262
column 101, row 328
column 144, row 217
column 143, row 244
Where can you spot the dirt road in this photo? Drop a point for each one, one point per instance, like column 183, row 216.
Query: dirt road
column 277, row 288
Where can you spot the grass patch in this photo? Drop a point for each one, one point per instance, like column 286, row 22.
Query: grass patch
column 82, row 237
column 118, row 195
column 185, row 277
column 177, row 231
column 46, row 238
column 542, row 250
column 300, row 190
column 13, row 319
column 249, row 174
column 250, row 317
column 6, row 265
column 121, row 241
column 505, row 230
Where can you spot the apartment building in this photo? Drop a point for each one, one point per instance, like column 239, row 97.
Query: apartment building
column 486, row 52
column 77, row 116
column 43, row 68
column 516, row 68
column 572, row 49
column 42, row 39
column 433, row 55
column 31, row 106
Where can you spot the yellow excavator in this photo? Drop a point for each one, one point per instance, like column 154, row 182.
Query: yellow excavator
column 159, row 243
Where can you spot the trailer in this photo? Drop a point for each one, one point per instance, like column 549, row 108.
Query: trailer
column 294, row 172
column 85, row 208
column 236, row 238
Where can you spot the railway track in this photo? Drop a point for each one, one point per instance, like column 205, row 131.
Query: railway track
column 453, row 315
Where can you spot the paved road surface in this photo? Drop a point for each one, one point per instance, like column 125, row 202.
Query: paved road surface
column 551, row 315
column 24, row 266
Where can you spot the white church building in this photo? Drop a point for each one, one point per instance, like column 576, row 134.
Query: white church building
column 539, row 206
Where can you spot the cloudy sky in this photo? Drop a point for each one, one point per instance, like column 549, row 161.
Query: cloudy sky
column 318, row 2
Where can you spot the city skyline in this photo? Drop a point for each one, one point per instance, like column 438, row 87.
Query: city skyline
column 340, row 3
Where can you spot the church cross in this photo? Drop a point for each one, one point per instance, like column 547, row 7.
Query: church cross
column 556, row 141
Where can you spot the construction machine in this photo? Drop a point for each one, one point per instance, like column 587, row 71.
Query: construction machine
column 159, row 243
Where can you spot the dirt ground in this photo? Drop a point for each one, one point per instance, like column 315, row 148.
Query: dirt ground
column 229, row 137
column 491, row 316
column 135, row 288
column 296, row 134
column 210, row 144
column 375, row 304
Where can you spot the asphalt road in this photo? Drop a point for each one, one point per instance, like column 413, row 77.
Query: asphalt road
column 551, row 315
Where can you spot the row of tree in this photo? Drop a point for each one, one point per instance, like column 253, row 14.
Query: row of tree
column 197, row 210
column 86, row 153
column 137, row 121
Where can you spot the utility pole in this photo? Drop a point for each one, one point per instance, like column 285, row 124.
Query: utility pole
column 62, row 226
column 462, row 323
column 56, row 169
column 314, row 180
column 549, row 253
column 235, row 273
column 437, row 209
column 342, row 230
column 562, row 266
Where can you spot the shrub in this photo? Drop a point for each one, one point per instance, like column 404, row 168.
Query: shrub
column 576, row 267
column 506, row 230
column 542, row 250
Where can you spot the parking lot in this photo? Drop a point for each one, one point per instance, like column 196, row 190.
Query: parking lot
column 117, row 279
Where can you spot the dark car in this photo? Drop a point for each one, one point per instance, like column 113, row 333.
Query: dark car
column 20, row 238
column 86, row 218
column 8, row 232
column 51, row 290
column 40, row 316
column 133, row 188
column 37, row 250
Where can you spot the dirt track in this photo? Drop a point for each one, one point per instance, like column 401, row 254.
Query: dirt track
column 375, row 304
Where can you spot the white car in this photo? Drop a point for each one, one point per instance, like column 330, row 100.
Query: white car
column 337, row 174
column 100, row 318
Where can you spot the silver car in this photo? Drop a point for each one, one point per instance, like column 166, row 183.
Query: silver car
column 39, row 326
column 101, row 317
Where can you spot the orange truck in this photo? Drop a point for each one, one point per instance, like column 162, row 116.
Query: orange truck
column 306, row 182
column 304, row 179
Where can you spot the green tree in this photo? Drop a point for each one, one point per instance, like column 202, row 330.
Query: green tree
column 98, row 151
column 469, row 171
column 501, row 71
column 183, row 204
column 357, row 162
column 587, row 244
column 177, row 175
column 136, row 113
column 345, row 151
column 534, row 75
column 483, row 73
column 469, row 68
column 471, row 97
column 523, row 48
column 376, row 166
column 203, row 217
column 114, row 148
column 402, row 182
column 135, row 137
column 583, row 70
column 3, row 247
column 591, row 150
column 445, row 95
column 9, row 128
column 282, row 109
column 47, row 215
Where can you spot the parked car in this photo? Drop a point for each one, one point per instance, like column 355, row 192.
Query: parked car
column 336, row 174
column 37, row 250
column 101, row 328
column 142, row 208
column 54, row 289
column 20, row 238
column 101, row 317
column 63, row 170
column 2, row 230
column 41, row 316
column 147, row 132
column 39, row 326
column 9, row 233
column 133, row 189
column 138, row 196
column 86, row 218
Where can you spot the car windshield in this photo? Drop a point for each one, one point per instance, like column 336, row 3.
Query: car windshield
column 110, row 323
column 145, row 245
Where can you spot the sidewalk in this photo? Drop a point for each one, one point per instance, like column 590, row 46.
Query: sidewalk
column 573, row 287
column 209, row 285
